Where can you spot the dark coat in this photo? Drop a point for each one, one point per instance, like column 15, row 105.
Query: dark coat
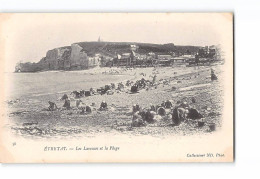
column 194, row 114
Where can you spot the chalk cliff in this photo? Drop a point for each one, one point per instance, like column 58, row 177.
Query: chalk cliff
column 64, row 58
column 57, row 59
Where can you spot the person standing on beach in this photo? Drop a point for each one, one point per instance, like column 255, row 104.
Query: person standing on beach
column 213, row 76
column 154, row 78
column 67, row 104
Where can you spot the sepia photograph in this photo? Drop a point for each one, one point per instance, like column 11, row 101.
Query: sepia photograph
column 116, row 87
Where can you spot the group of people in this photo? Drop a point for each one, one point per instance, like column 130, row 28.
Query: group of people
column 66, row 105
column 79, row 105
column 178, row 113
column 107, row 89
column 110, row 89
column 117, row 71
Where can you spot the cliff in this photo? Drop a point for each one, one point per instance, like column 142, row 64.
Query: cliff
column 84, row 55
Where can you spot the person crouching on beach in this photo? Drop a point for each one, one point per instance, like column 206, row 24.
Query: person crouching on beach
column 52, row 106
column 103, row 105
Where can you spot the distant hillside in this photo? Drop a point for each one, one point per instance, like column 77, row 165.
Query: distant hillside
column 83, row 55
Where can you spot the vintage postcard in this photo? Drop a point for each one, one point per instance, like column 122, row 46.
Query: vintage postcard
column 116, row 87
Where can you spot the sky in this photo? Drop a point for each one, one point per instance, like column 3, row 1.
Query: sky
column 27, row 37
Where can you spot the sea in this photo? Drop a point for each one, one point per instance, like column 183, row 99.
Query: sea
column 19, row 85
